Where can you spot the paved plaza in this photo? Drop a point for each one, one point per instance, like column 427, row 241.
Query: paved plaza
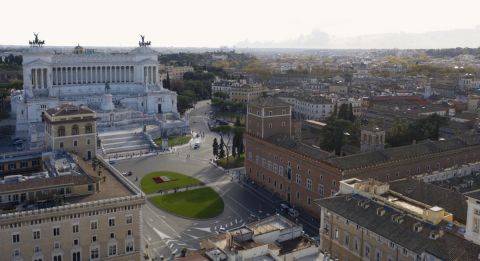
column 166, row 234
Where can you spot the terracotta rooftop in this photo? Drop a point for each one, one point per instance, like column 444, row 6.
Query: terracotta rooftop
column 68, row 109
column 268, row 102
column 403, row 152
column 450, row 246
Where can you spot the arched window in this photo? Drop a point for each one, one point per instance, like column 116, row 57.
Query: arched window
column 75, row 130
column 61, row 131
column 88, row 128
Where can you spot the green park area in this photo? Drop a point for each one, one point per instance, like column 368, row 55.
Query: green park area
column 175, row 140
column 233, row 162
column 199, row 203
column 166, row 180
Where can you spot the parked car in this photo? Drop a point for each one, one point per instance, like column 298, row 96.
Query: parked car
column 111, row 162
column 126, row 174
column 293, row 212
column 284, row 206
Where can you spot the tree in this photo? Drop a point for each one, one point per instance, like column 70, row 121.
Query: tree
column 351, row 117
column 221, row 153
column 334, row 135
column 343, row 112
column 234, row 150
column 167, row 81
column 215, row 147
column 225, row 132
column 237, row 121
column 239, row 143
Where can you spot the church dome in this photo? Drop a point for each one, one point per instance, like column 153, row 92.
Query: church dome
column 78, row 49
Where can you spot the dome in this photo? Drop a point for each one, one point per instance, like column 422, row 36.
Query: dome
column 78, row 49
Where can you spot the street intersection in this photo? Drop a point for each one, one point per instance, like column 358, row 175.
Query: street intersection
column 166, row 234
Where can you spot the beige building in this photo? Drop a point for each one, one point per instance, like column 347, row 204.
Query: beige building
column 272, row 238
column 72, row 213
column 338, row 89
column 368, row 220
column 238, row 90
column 174, row 72
column 71, row 128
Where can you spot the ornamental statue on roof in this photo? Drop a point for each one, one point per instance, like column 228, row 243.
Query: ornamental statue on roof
column 36, row 41
column 142, row 43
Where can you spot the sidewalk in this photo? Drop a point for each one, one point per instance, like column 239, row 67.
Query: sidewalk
column 171, row 191
column 303, row 217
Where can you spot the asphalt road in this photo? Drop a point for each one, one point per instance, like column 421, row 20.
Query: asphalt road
column 167, row 234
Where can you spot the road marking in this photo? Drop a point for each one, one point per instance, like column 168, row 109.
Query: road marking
column 206, row 229
column 231, row 223
column 171, row 228
column 160, row 234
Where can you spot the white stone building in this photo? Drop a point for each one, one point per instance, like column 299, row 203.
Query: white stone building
column 309, row 107
column 80, row 77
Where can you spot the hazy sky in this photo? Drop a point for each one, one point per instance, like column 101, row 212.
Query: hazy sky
column 212, row 23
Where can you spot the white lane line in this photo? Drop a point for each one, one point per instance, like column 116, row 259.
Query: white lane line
column 166, row 224
column 205, row 229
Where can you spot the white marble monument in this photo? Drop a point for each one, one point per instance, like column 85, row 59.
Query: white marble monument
column 54, row 77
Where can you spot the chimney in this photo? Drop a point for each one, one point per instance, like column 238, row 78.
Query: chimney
column 380, row 211
column 417, row 227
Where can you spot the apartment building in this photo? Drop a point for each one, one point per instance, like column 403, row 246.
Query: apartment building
column 272, row 238
column 309, row 107
column 369, row 221
column 70, row 212
column 238, row 90
column 71, row 128
column 174, row 72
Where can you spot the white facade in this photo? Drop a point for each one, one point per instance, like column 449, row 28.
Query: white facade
column 52, row 78
column 472, row 228
column 310, row 108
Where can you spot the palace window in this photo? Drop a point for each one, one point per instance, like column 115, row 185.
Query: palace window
column 129, row 219
column 94, row 253
column 309, row 184
column 129, row 247
column 56, row 231
column 36, row 234
column 88, row 128
column 57, row 257
column 112, row 250
column 93, row 225
column 75, row 228
column 320, row 190
column 75, row 130
column 16, row 238
column 111, row 222
column 61, row 131
column 298, row 179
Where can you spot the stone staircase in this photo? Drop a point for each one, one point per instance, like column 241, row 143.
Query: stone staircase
column 121, row 143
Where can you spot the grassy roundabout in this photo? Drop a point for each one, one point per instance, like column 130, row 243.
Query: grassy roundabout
column 199, row 203
column 175, row 140
column 177, row 180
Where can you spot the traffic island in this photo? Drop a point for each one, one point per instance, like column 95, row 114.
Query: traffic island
column 202, row 203
column 159, row 181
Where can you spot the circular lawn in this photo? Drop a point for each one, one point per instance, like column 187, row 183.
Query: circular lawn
column 199, row 203
column 166, row 180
